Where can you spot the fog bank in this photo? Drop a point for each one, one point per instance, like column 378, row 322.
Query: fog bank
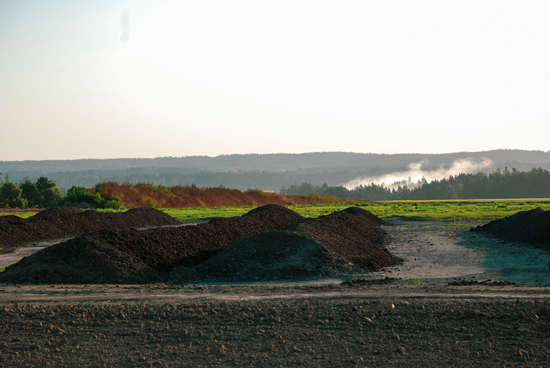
column 415, row 176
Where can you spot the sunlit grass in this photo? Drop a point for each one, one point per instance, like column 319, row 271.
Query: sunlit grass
column 441, row 209
column 456, row 210
column 202, row 213
column 445, row 210
column 19, row 214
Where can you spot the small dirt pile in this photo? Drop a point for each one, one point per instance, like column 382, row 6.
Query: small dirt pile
column 526, row 227
column 62, row 222
column 353, row 237
column 141, row 256
column 274, row 255
column 341, row 243
column 10, row 219
column 369, row 216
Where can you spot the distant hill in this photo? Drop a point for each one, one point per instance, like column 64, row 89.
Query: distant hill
column 261, row 171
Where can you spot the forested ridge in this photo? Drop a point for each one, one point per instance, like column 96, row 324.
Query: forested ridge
column 260, row 171
column 498, row 184
column 274, row 161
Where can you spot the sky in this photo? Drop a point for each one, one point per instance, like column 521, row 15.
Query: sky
column 113, row 79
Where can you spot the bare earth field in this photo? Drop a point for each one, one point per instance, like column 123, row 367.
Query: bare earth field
column 450, row 303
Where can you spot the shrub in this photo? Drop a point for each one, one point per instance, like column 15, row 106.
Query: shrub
column 49, row 191
column 10, row 196
column 79, row 194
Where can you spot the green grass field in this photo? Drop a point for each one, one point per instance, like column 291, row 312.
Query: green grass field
column 444, row 209
column 457, row 209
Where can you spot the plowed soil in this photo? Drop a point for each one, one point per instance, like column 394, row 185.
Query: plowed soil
column 526, row 227
column 300, row 332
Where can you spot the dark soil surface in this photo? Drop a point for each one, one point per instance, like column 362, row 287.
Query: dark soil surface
column 10, row 219
column 338, row 244
column 389, row 329
column 526, row 227
column 62, row 222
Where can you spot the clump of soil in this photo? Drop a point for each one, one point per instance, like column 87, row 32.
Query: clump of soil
column 268, row 243
column 526, row 227
column 63, row 222
column 476, row 282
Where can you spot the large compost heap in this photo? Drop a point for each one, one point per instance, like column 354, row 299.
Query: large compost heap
column 526, row 227
column 63, row 222
column 270, row 242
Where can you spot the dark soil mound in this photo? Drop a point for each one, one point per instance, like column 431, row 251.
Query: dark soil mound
column 54, row 214
column 526, row 227
column 63, row 222
column 274, row 214
column 359, row 212
column 274, row 255
column 354, row 238
column 77, row 261
column 329, row 246
column 138, row 256
column 10, row 219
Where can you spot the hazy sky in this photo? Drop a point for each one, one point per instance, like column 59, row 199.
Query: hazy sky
column 107, row 79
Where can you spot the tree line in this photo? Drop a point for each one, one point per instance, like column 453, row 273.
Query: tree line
column 43, row 193
column 498, row 184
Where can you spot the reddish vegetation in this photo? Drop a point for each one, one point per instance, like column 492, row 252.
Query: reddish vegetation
column 525, row 227
column 171, row 253
column 148, row 195
column 62, row 222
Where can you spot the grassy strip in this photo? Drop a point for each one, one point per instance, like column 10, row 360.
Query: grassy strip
column 441, row 209
column 444, row 210
column 455, row 210
column 201, row 213
column 530, row 200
